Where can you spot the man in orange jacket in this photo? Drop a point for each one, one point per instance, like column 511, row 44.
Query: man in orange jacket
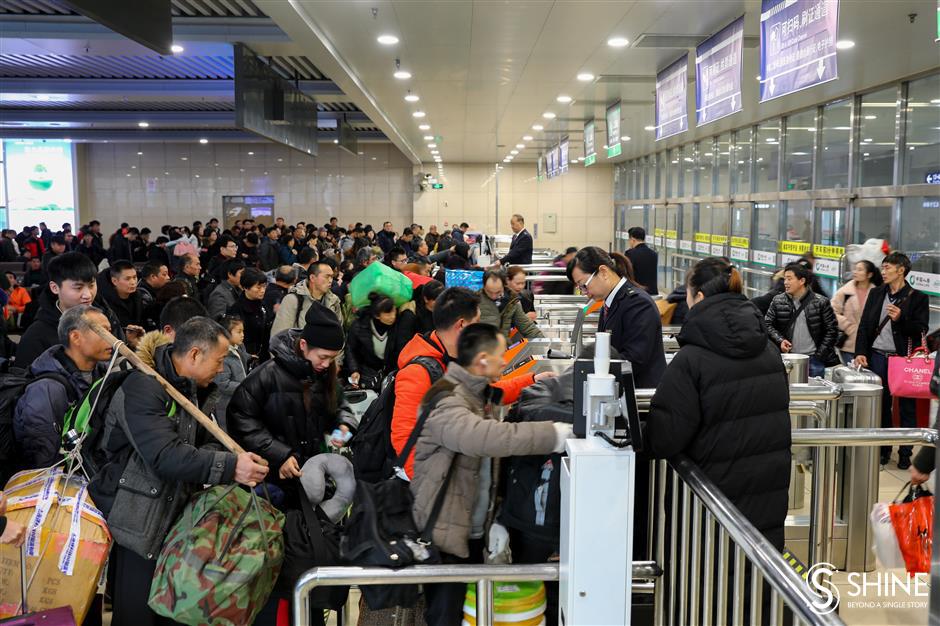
column 455, row 309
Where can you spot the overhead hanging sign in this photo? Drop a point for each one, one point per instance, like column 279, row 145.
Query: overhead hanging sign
column 563, row 152
column 718, row 63
column 613, row 130
column 589, row 156
column 797, row 45
column 672, row 86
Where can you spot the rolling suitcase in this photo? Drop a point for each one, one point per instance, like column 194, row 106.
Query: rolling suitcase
column 61, row 616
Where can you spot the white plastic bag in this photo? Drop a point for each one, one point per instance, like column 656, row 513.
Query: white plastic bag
column 886, row 547
column 872, row 250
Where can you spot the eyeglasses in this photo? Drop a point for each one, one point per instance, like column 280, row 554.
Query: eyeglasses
column 582, row 287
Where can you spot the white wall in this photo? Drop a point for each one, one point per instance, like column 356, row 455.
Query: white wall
column 162, row 188
column 582, row 200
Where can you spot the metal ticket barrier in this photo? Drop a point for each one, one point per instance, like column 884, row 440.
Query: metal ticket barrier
column 797, row 366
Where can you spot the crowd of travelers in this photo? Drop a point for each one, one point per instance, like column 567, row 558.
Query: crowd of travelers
column 254, row 323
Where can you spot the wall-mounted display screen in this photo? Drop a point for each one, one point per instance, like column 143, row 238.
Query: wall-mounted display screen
column 613, row 130
column 40, row 178
column 258, row 208
column 563, row 155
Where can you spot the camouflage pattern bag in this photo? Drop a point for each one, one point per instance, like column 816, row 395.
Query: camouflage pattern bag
column 220, row 560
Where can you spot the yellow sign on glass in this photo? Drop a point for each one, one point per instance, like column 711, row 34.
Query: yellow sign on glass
column 719, row 240
column 659, row 232
column 671, row 234
column 703, row 237
column 740, row 242
column 793, row 247
column 828, row 252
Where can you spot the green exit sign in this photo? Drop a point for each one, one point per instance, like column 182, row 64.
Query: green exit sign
column 437, row 186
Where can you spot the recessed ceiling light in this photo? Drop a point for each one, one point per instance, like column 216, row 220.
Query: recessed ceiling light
column 387, row 40
column 537, row 127
column 617, row 42
column 548, row 115
column 411, row 98
column 429, row 137
column 184, row 158
column 563, row 99
column 520, row 145
column 402, row 74
column 432, row 145
column 585, row 77
column 513, row 152
column 649, row 128
column 203, row 140
column 176, row 48
column 336, row 141
column 251, row 153
column 424, row 127
column 435, row 152
column 871, row 117
column 143, row 124
column 622, row 139
column 527, row 138
column 140, row 153
column 845, row 44
column 418, row 114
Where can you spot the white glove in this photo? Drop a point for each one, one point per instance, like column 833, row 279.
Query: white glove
column 498, row 544
column 563, row 432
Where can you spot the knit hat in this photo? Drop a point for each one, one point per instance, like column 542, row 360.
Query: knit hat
column 322, row 329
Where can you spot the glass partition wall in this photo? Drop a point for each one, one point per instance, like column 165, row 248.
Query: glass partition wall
column 811, row 182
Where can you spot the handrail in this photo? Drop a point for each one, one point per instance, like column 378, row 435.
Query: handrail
column 857, row 437
column 415, row 574
column 765, row 557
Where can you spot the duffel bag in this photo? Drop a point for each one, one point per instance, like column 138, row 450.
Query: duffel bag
column 221, row 559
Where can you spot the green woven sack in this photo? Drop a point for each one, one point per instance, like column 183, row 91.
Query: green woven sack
column 382, row 279
column 220, row 560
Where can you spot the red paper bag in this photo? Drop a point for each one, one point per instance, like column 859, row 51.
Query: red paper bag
column 913, row 525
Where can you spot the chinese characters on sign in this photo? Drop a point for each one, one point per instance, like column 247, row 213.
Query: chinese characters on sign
column 672, row 116
column 718, row 63
column 589, row 155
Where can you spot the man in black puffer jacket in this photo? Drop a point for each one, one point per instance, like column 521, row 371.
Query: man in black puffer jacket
column 286, row 406
column 724, row 400
column 802, row 321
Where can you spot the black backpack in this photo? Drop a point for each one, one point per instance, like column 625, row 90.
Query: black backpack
column 372, row 451
column 12, row 388
column 381, row 530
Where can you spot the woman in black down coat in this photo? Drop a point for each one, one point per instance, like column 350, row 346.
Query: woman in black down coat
column 724, row 400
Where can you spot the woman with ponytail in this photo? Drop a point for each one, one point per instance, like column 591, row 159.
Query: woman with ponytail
column 629, row 313
column 724, row 399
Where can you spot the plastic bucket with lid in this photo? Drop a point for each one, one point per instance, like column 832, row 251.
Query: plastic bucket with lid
column 519, row 604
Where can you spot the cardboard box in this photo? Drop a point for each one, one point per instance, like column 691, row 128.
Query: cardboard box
column 66, row 551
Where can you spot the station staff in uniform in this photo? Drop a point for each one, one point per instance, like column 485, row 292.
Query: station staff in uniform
column 629, row 313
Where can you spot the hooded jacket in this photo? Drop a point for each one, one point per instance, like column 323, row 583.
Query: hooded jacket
column 724, row 402
column 157, row 456
column 281, row 409
column 37, row 418
column 510, row 316
column 148, row 344
column 299, row 295
column 413, row 381
column 462, row 429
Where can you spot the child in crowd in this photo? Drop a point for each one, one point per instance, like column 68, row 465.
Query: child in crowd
column 234, row 367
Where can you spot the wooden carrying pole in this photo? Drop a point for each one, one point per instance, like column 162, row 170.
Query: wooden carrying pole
column 182, row 400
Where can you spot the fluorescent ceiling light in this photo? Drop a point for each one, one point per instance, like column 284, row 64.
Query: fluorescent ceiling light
column 520, row 146
column 432, row 145
column 845, row 44
column 429, row 137
column 624, row 139
column 537, row 127
column 513, row 152
column 418, row 114
column 203, row 141
column 411, row 98
column 251, row 154
column 139, row 153
column 563, row 99
column 649, row 128
column 527, row 138
column 871, row 117
column 617, row 42
column 387, row 40
column 176, row 48
column 424, row 127
column 143, row 124
column 402, row 74
column 548, row 115
column 585, row 77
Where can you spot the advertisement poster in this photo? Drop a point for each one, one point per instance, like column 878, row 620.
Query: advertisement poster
column 718, row 63
column 672, row 86
column 40, row 183
column 589, row 156
column 797, row 45
column 613, row 130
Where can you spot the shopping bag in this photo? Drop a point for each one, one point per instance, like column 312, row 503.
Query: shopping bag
column 220, row 560
column 380, row 278
column 885, row 541
column 909, row 376
column 912, row 519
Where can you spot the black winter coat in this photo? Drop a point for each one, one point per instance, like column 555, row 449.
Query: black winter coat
column 724, row 402
column 820, row 319
column 645, row 262
column 258, row 321
column 360, row 354
column 636, row 333
column 128, row 312
column 914, row 320
column 269, row 416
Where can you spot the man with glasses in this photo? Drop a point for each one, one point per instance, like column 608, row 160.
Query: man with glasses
column 228, row 249
column 895, row 317
column 396, row 258
column 316, row 289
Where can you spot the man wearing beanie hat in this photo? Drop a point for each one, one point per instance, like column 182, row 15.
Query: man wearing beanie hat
column 291, row 405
